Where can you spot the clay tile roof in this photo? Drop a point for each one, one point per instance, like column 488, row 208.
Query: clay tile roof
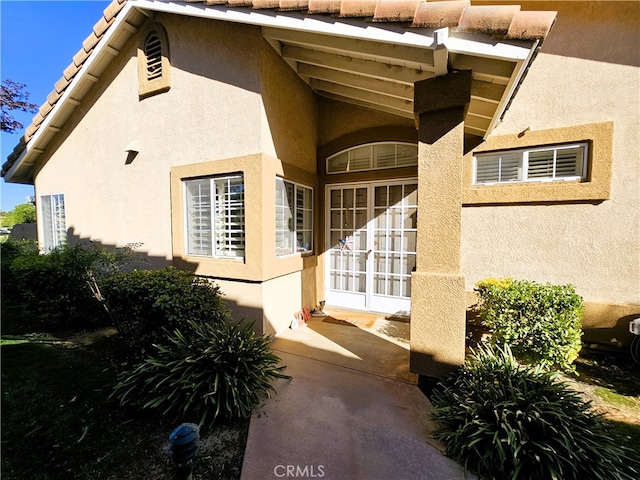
column 439, row 14
column 358, row 8
column 531, row 25
column 71, row 71
column 294, row 5
column 502, row 21
column 266, row 4
column 112, row 10
column 239, row 3
column 494, row 19
column 102, row 25
column 396, row 11
column 61, row 85
column 324, row 6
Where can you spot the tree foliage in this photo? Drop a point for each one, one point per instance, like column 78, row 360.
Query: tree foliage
column 13, row 96
column 23, row 213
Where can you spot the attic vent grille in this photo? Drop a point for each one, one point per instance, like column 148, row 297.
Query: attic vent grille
column 153, row 52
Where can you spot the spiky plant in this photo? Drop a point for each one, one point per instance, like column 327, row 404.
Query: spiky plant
column 504, row 420
column 205, row 371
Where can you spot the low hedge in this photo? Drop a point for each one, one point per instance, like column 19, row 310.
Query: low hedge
column 144, row 304
column 541, row 323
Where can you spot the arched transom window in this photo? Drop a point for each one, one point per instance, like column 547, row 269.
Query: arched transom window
column 373, row 156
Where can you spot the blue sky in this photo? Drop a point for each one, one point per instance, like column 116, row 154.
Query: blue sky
column 38, row 39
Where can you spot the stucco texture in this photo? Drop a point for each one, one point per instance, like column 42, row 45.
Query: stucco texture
column 574, row 81
column 233, row 105
column 212, row 111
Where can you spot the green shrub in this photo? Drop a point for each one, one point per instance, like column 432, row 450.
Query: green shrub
column 504, row 420
column 54, row 285
column 541, row 323
column 9, row 252
column 205, row 371
column 145, row 302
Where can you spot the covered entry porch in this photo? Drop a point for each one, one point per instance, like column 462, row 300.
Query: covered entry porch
column 377, row 344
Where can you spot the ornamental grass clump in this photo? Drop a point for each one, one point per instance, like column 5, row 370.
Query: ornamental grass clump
column 504, row 420
column 203, row 370
column 541, row 323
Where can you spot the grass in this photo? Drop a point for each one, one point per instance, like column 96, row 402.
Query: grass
column 617, row 399
column 11, row 342
column 59, row 423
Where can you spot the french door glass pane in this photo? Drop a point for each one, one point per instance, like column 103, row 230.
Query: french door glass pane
column 386, row 269
column 395, row 195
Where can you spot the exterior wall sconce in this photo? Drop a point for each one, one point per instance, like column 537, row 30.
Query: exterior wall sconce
column 132, row 151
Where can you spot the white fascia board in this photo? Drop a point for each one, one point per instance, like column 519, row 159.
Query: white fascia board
column 101, row 49
column 480, row 47
column 341, row 27
column 514, row 83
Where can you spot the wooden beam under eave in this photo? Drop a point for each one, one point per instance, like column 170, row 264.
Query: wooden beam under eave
column 484, row 67
column 352, row 46
column 363, row 95
column 372, row 106
column 357, row 81
column 357, row 66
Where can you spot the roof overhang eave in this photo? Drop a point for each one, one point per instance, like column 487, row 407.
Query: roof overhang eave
column 521, row 52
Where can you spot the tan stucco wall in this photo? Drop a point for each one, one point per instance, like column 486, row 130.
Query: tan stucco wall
column 212, row 111
column 233, row 106
column 585, row 74
column 289, row 113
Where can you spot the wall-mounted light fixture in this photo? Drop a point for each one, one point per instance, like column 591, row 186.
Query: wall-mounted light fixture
column 132, row 151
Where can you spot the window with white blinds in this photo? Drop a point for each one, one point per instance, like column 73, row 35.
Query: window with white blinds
column 373, row 156
column 558, row 163
column 54, row 224
column 294, row 218
column 215, row 220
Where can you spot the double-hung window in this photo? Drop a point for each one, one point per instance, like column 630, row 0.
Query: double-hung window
column 215, row 216
column 294, row 218
column 556, row 163
column 54, row 224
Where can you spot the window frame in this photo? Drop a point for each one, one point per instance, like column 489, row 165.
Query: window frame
column 294, row 233
column 214, row 213
column 373, row 159
column 524, row 164
column 53, row 236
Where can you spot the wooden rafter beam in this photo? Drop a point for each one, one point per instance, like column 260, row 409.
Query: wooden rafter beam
column 357, row 81
column 355, row 65
column 353, row 47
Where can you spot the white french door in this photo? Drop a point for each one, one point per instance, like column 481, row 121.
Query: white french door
column 371, row 245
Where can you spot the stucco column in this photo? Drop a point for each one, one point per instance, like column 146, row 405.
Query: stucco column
column 438, row 309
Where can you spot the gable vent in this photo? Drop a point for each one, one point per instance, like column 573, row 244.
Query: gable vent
column 153, row 52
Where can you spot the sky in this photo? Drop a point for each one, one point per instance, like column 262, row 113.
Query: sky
column 38, row 40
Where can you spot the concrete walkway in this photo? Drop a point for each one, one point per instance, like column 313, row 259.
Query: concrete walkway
column 336, row 423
